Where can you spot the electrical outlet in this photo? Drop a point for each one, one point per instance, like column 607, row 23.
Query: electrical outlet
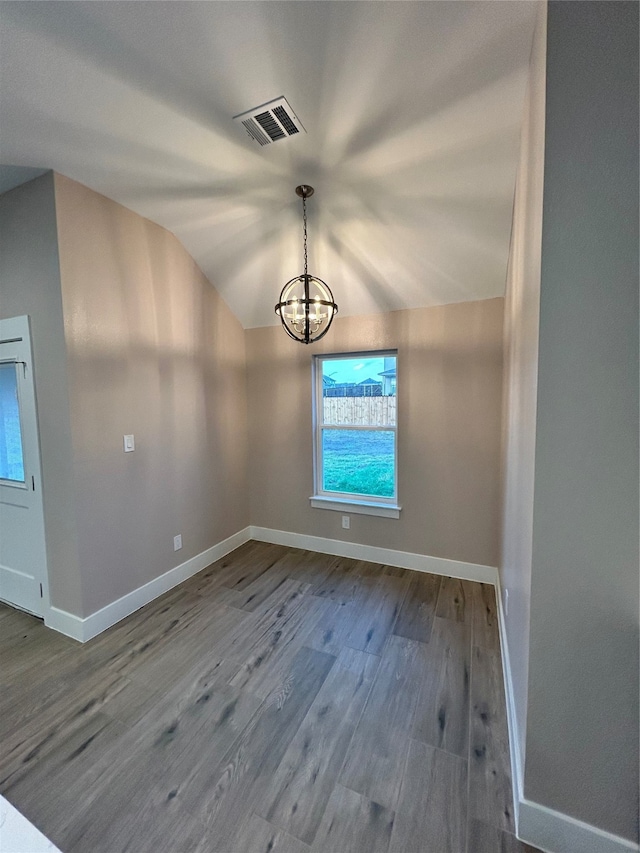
column 506, row 602
column 177, row 542
column 346, row 522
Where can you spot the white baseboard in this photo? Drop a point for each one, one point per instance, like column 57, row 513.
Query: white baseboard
column 65, row 623
column 386, row 556
column 538, row 825
column 84, row 629
column 517, row 775
column 542, row 827
column 555, row 832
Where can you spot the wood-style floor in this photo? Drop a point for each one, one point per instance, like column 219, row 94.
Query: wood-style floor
column 280, row 701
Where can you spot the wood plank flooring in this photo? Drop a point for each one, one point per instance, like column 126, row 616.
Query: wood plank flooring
column 280, row 701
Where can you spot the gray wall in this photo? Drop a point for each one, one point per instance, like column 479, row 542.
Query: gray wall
column 131, row 338
column 449, row 391
column 154, row 351
column 30, row 284
column 582, row 725
column 521, row 318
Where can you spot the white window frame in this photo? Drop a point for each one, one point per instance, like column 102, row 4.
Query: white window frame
column 355, row 503
column 17, row 484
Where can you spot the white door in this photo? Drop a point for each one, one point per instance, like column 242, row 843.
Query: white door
column 23, row 568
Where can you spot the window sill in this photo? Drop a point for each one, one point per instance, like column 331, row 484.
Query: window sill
column 356, row 506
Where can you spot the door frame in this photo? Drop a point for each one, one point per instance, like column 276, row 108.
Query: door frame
column 17, row 332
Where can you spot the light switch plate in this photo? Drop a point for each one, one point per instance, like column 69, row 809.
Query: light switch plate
column 129, row 444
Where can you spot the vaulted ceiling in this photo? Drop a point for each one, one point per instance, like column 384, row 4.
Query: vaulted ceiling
column 412, row 111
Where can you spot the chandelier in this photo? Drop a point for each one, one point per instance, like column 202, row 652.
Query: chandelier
column 306, row 305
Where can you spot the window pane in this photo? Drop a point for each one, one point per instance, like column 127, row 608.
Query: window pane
column 359, row 391
column 361, row 462
column 11, row 461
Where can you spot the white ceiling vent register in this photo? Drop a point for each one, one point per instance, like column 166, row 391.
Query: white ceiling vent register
column 271, row 122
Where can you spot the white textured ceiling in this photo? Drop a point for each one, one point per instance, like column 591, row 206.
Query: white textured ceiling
column 412, row 111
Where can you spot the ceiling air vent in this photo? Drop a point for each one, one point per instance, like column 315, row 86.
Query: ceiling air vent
column 270, row 122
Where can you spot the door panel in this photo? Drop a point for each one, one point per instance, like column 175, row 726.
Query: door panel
column 23, row 573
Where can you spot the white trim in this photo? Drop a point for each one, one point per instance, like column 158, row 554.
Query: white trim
column 65, row 623
column 84, row 629
column 15, row 332
column 542, row 827
column 386, row 556
column 355, row 506
column 318, row 425
column 536, row 824
column 517, row 776
column 556, row 832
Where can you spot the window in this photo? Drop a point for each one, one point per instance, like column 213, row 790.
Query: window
column 11, row 459
column 355, row 433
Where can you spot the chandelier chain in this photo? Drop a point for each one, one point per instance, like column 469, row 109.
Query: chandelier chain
column 304, row 220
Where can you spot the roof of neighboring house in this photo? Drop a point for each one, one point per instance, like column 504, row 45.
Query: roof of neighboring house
column 391, row 372
column 370, row 381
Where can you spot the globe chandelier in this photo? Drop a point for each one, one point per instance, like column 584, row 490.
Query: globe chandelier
column 306, row 307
